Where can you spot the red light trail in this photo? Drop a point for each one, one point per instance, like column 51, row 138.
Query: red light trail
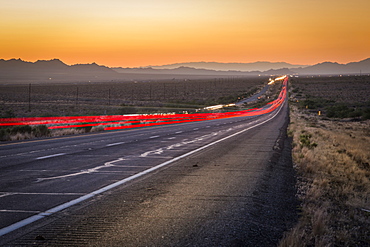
column 116, row 122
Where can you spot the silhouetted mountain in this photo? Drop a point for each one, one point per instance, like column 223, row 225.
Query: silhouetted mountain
column 16, row 70
column 54, row 64
column 91, row 68
column 363, row 66
column 245, row 67
column 330, row 68
column 283, row 71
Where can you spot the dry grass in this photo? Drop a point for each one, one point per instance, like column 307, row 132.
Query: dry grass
column 42, row 131
column 21, row 136
column 97, row 128
column 64, row 132
column 333, row 183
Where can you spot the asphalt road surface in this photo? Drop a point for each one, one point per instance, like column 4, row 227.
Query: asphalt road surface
column 254, row 97
column 226, row 182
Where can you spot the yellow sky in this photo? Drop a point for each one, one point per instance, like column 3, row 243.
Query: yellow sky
column 132, row 33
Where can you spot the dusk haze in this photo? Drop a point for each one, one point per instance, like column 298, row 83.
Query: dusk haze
column 145, row 32
column 210, row 123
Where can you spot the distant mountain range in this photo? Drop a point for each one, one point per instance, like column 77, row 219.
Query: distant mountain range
column 257, row 68
column 198, row 72
column 19, row 71
column 246, row 67
column 326, row 68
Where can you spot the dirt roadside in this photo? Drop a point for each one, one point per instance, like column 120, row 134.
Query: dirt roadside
column 332, row 162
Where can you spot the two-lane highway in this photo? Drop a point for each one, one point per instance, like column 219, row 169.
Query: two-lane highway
column 43, row 178
column 39, row 175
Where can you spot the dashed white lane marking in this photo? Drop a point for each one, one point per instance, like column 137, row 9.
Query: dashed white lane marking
column 50, row 156
column 171, row 138
column 179, row 132
column 152, row 137
column 63, row 206
column 115, row 144
column 88, row 171
column 196, row 129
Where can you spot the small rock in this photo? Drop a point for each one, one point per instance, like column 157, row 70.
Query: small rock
column 39, row 237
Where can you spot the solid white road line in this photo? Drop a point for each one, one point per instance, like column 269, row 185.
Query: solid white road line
column 50, row 156
column 63, row 206
column 115, row 144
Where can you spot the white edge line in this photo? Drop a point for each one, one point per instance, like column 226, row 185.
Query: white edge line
column 50, row 156
column 114, row 144
column 41, row 215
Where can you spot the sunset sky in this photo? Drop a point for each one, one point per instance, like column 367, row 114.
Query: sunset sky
column 131, row 33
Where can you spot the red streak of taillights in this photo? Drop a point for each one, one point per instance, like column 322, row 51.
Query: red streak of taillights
column 137, row 121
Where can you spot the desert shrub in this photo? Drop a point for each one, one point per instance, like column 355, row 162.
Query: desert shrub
column 85, row 129
column 127, row 110
column 338, row 111
column 343, row 111
column 366, row 114
column 22, row 132
column 7, row 114
column 304, row 140
column 309, row 104
column 3, row 134
column 40, row 130
column 315, row 103
column 20, row 136
column 97, row 128
column 64, row 132
column 355, row 113
column 20, row 129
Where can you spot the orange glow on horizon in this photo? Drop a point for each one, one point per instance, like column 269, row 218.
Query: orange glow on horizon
column 144, row 32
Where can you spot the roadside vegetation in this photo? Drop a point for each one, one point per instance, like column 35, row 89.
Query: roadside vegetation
column 23, row 132
column 334, row 97
column 332, row 159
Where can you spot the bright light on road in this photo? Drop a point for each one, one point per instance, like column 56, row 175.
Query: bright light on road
column 277, row 79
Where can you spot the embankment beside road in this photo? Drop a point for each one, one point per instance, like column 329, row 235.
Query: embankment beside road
column 332, row 161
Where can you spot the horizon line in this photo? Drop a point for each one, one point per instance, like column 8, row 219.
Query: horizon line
column 148, row 66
